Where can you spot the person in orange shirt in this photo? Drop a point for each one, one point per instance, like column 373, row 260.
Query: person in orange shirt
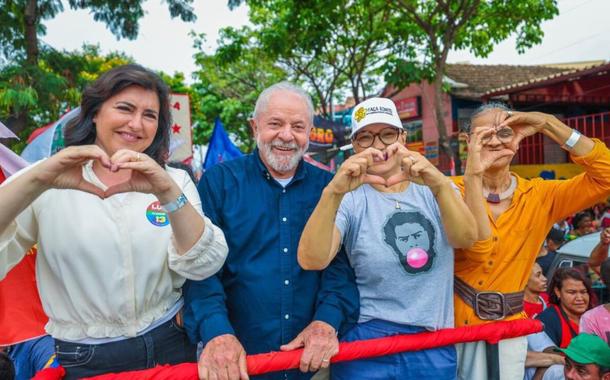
column 521, row 212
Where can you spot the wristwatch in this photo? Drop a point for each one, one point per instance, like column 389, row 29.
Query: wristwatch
column 572, row 140
column 175, row 205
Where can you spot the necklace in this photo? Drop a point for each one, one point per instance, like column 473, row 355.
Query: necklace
column 497, row 198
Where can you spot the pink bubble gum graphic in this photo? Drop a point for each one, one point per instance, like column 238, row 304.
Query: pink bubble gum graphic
column 417, row 257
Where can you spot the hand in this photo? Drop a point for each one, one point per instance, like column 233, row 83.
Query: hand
column 64, row 170
column 146, row 176
column 525, row 124
column 475, row 165
column 320, row 342
column 415, row 168
column 353, row 172
column 223, row 358
column 604, row 237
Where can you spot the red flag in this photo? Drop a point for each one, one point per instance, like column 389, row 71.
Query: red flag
column 21, row 315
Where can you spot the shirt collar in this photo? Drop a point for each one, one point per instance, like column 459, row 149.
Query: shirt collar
column 298, row 175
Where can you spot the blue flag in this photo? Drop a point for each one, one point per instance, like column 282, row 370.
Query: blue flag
column 221, row 148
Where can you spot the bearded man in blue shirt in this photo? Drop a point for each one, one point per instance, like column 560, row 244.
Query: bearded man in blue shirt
column 262, row 300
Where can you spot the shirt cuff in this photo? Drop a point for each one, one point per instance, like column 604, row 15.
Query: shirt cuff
column 330, row 314
column 205, row 257
column 599, row 150
column 213, row 326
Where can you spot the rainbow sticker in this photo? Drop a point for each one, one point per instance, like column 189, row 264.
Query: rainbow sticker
column 156, row 215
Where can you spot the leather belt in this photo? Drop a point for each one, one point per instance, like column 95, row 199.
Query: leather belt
column 489, row 305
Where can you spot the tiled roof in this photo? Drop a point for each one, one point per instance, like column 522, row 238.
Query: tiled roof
column 480, row 79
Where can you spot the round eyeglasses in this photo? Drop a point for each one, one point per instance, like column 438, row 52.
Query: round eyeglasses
column 504, row 135
column 387, row 136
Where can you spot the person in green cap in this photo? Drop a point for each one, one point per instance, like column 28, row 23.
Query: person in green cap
column 587, row 358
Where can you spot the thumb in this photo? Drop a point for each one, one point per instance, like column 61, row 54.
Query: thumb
column 243, row 367
column 297, row 342
column 373, row 179
column 119, row 188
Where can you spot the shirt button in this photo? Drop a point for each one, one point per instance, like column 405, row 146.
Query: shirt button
column 285, row 250
column 284, row 219
column 490, row 263
column 495, row 238
column 480, row 282
column 283, row 190
column 287, row 282
column 287, row 316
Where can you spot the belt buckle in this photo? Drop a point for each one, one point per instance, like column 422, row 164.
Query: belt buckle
column 485, row 297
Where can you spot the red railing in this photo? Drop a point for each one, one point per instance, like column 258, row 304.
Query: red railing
column 531, row 149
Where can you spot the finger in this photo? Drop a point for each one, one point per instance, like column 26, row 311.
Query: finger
column 124, row 187
column 243, row 367
column 214, row 374
column 294, row 344
column 141, row 166
column 223, row 374
column 395, row 148
column 204, row 373
column 85, row 153
column 373, row 155
column 316, row 360
column 305, row 360
column 373, row 179
column 397, row 178
column 354, row 170
column 233, row 371
column 481, row 134
column 91, row 188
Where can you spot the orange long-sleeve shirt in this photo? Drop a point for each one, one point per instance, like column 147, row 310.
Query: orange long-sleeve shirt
column 520, row 231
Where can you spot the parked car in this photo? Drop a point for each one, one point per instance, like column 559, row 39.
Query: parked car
column 576, row 252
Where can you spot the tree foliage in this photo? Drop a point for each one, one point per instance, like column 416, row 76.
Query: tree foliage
column 474, row 25
column 227, row 84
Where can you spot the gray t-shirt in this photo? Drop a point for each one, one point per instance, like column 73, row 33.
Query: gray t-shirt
column 401, row 256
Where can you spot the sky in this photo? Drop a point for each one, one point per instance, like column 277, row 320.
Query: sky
column 581, row 32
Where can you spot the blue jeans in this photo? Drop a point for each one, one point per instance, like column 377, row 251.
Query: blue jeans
column 438, row 363
column 166, row 344
column 31, row 356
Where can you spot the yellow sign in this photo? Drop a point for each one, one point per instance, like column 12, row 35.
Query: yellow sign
column 547, row 171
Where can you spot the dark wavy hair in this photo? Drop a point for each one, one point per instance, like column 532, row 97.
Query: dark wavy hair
column 562, row 274
column 81, row 129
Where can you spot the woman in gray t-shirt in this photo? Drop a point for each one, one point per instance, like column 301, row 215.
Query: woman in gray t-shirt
column 399, row 219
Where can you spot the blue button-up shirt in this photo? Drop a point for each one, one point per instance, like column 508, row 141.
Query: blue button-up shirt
column 262, row 295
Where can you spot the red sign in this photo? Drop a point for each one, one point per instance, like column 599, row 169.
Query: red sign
column 407, row 107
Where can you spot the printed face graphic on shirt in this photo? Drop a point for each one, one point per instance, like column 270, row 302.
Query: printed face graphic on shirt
column 411, row 236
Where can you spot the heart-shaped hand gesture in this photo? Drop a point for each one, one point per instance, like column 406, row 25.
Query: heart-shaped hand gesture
column 353, row 172
column 415, row 168
column 146, row 175
column 524, row 124
column 64, row 170
column 475, row 165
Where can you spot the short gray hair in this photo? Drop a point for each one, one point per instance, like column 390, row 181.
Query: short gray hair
column 486, row 108
column 263, row 98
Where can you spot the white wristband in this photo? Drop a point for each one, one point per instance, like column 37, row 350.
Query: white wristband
column 572, row 140
column 175, row 205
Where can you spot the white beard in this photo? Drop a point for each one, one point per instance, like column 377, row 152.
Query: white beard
column 281, row 164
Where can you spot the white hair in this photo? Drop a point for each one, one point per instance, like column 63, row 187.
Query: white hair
column 483, row 109
column 263, row 99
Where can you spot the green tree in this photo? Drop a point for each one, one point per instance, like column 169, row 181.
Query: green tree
column 474, row 25
column 22, row 25
column 63, row 76
column 336, row 48
column 226, row 85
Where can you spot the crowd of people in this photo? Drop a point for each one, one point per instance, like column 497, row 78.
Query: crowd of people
column 270, row 253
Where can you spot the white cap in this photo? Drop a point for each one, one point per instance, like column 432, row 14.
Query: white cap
column 374, row 111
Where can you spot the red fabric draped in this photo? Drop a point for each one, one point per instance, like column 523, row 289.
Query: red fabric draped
column 276, row 361
column 21, row 315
